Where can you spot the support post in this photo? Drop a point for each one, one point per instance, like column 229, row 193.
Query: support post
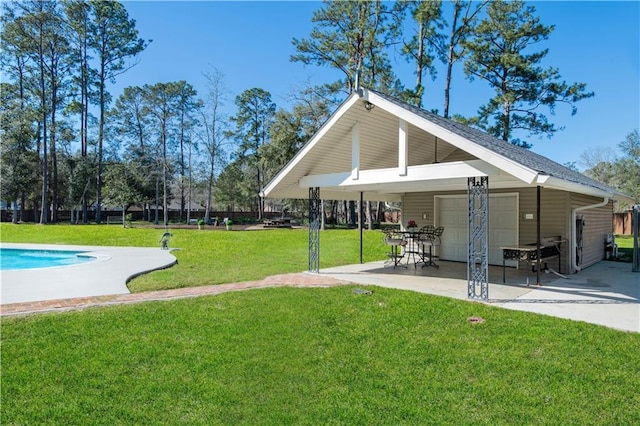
column 361, row 223
column 635, row 226
column 355, row 151
column 478, row 259
column 403, row 147
column 314, row 229
column 538, row 237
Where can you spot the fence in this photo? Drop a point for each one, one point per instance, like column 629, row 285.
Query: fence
column 622, row 223
column 111, row 216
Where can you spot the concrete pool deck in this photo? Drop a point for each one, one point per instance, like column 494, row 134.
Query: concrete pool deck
column 107, row 275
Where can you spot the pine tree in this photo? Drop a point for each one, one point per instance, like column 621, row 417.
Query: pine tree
column 501, row 53
column 351, row 36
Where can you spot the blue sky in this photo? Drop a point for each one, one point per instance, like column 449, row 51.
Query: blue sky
column 597, row 43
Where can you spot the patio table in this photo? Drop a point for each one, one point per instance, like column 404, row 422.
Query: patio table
column 529, row 253
column 417, row 241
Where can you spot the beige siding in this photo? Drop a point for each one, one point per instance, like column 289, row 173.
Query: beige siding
column 555, row 220
column 598, row 223
column 555, row 215
column 415, row 206
column 457, row 155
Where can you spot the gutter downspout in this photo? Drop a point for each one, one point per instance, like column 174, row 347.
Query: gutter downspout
column 574, row 244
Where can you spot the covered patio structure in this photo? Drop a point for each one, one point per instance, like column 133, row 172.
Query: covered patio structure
column 485, row 192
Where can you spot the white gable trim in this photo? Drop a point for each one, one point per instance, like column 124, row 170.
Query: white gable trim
column 352, row 99
column 513, row 168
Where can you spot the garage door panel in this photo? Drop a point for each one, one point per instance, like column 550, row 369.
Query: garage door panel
column 453, row 221
column 500, row 237
column 505, row 203
column 503, row 227
column 502, row 219
column 453, row 252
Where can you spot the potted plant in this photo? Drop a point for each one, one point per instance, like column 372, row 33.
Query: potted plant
column 411, row 225
column 229, row 224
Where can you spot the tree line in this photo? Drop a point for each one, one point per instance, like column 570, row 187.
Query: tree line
column 67, row 143
column 617, row 171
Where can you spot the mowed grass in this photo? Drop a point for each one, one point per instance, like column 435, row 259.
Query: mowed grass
column 282, row 356
column 625, row 247
column 208, row 257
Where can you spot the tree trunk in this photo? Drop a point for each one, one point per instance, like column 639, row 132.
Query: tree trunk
column 420, row 67
column 209, row 193
column 352, row 213
column 100, row 142
column 36, row 211
column 157, row 199
column 189, row 187
column 182, row 169
column 165, row 202
column 45, row 160
column 14, row 215
column 22, row 207
column 506, row 112
column 450, row 60
column 52, row 145
column 84, row 114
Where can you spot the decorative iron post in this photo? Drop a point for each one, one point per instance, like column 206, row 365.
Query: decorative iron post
column 314, row 229
column 478, row 260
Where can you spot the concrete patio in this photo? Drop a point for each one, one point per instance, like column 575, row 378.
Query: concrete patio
column 607, row 293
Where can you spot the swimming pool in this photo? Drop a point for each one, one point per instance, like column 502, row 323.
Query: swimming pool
column 11, row 258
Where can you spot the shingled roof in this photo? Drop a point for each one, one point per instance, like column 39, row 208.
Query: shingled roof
column 327, row 159
column 523, row 156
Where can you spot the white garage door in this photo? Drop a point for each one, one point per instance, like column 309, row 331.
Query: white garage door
column 503, row 226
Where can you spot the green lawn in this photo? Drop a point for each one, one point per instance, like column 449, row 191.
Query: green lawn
column 281, row 356
column 212, row 257
column 625, row 247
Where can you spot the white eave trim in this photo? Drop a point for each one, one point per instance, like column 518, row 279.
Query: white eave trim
column 552, row 182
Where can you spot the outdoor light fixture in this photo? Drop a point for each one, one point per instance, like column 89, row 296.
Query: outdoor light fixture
column 368, row 105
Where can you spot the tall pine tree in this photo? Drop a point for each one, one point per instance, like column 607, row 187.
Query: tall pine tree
column 501, row 52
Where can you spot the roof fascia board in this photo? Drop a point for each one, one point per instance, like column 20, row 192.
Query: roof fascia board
column 514, row 168
column 352, row 99
column 552, row 182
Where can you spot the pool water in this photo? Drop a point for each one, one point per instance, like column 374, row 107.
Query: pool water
column 31, row 259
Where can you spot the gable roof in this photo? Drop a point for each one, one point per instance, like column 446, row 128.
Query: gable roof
column 524, row 167
column 526, row 157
